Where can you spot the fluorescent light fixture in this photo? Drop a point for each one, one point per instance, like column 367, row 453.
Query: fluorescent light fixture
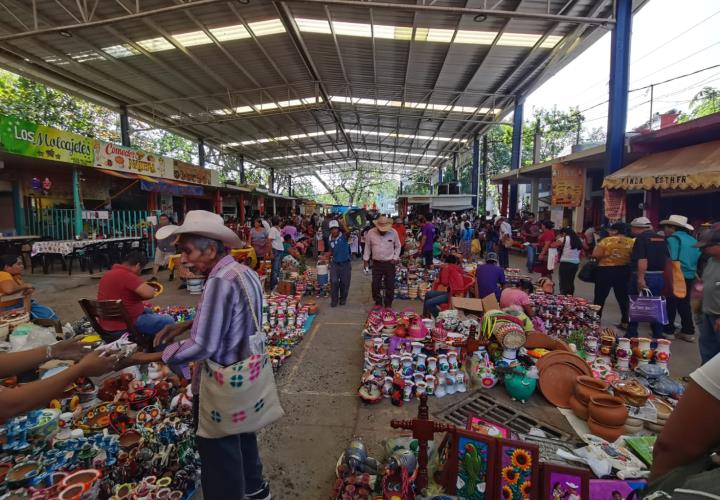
column 392, row 32
column 229, row 33
column 269, row 27
column 313, row 25
column 192, row 39
column 267, row 106
column 527, row 40
column 352, row 29
column 475, row 37
column 439, row 35
column 156, row 44
column 404, row 136
column 413, row 105
column 119, row 51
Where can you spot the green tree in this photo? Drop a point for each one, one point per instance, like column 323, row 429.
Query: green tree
column 705, row 102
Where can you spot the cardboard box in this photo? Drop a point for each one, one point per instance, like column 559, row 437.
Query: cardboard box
column 466, row 305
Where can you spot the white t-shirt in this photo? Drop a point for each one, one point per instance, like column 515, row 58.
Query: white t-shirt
column 708, row 376
column 570, row 254
column 265, row 224
column 505, row 229
column 276, row 238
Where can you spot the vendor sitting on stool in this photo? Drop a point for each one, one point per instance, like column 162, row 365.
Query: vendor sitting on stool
column 123, row 282
column 449, row 282
column 11, row 282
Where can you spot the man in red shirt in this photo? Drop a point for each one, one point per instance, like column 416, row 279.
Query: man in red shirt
column 123, row 282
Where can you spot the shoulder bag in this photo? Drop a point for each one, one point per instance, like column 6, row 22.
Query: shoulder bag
column 679, row 289
column 241, row 397
column 646, row 308
column 588, row 271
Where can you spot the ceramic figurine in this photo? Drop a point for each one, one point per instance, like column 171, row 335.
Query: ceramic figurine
column 453, row 360
column 421, row 363
column 183, row 400
column 395, row 362
column 387, row 387
column 643, row 352
column 407, row 365
column 443, row 364
column 408, row 389
column 662, row 353
column 440, row 388
column 432, row 365
column 622, row 354
column 521, row 383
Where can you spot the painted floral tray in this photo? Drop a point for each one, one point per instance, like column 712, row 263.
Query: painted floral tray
column 99, row 416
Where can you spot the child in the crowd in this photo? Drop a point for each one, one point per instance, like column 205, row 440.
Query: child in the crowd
column 437, row 248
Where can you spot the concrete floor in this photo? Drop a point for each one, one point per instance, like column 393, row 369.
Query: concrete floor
column 318, row 384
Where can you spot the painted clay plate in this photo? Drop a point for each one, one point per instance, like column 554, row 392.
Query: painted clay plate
column 98, row 417
column 148, row 416
column 557, row 382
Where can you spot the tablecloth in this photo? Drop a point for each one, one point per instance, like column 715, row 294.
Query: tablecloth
column 66, row 247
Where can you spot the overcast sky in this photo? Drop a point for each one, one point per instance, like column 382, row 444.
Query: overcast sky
column 670, row 38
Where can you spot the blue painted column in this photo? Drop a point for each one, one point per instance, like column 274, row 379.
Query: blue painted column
column 440, row 175
column 77, row 201
column 619, row 82
column 18, row 212
column 516, row 151
column 201, row 152
column 475, row 174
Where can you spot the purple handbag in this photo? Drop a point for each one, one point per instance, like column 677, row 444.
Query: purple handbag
column 646, row 308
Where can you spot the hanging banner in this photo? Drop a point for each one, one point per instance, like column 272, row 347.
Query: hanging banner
column 172, row 189
column 615, row 201
column 124, row 159
column 568, row 185
column 187, row 172
column 39, row 141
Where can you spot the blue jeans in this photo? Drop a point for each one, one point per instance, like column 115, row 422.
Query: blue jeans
column 433, row 299
column 709, row 341
column 149, row 323
column 655, row 282
column 531, row 252
column 37, row 311
column 276, row 264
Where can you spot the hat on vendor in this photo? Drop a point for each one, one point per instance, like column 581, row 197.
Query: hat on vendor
column 383, row 223
column 678, row 221
column 491, row 257
column 333, row 223
column 641, row 222
column 710, row 237
column 202, row 223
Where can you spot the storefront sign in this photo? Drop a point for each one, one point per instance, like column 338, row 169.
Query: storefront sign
column 124, row 159
column 568, row 185
column 190, row 173
column 95, row 215
column 615, row 204
column 164, row 187
column 39, row 141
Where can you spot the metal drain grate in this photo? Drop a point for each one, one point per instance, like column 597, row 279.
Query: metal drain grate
column 513, row 419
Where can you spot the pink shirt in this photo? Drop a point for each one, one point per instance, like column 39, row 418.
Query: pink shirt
column 513, row 297
column 384, row 247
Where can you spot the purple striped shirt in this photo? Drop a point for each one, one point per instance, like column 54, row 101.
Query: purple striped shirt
column 223, row 323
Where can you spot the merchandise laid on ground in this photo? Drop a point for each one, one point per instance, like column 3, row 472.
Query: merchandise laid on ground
column 616, row 394
column 128, row 435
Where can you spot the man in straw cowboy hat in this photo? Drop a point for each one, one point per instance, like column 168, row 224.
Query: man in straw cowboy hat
column 682, row 248
column 383, row 246
column 221, row 332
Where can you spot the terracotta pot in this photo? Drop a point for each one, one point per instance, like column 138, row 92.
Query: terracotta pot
column 586, row 387
column 579, row 409
column 608, row 433
column 607, row 410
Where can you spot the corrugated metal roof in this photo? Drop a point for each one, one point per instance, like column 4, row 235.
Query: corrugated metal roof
column 401, row 83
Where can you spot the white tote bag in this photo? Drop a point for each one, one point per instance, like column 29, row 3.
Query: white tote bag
column 552, row 257
column 241, row 397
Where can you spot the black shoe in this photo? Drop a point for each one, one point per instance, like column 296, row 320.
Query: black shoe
column 333, row 304
column 343, row 302
column 262, row 494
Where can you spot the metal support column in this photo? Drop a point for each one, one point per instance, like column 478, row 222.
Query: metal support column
column 456, row 177
column 619, row 81
column 271, row 187
column 484, row 173
column 516, row 152
column 475, row 174
column 440, row 175
column 18, row 212
column 289, row 185
column 201, row 152
column 241, row 159
column 534, row 195
column 77, row 201
column 124, row 127
column 400, row 191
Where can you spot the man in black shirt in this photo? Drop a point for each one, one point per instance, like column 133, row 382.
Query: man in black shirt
column 647, row 263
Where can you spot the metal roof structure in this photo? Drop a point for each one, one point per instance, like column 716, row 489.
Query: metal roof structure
column 305, row 86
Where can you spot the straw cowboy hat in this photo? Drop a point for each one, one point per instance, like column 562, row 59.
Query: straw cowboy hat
column 383, row 223
column 202, row 223
column 677, row 220
column 641, row 222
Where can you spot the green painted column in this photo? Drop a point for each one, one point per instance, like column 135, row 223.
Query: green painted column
column 18, row 208
column 77, row 202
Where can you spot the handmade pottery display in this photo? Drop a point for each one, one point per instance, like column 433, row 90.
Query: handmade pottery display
column 607, row 410
column 587, row 387
column 631, row 391
column 608, row 433
column 579, row 408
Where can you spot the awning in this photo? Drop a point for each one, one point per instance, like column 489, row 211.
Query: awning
column 691, row 167
column 174, row 189
column 451, row 203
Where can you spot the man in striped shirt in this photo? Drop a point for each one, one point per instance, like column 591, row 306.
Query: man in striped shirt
column 221, row 331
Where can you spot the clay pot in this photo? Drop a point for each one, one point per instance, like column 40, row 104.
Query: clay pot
column 608, row 410
column 73, row 492
column 4, row 468
column 579, row 409
column 130, row 439
column 608, row 433
column 586, row 387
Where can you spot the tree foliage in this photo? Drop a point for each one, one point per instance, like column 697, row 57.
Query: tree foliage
column 705, row 102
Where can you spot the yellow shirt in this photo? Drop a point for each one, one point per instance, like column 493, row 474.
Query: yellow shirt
column 6, row 276
column 616, row 251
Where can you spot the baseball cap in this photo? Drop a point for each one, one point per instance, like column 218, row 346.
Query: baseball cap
column 491, row 257
column 641, row 222
column 710, row 237
column 333, row 223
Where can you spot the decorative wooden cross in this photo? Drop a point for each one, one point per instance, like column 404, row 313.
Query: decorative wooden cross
column 423, row 430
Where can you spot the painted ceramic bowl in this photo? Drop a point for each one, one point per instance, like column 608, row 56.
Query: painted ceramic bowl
column 22, row 474
column 142, row 398
column 148, row 416
column 98, row 417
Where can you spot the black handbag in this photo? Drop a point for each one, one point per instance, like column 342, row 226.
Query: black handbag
column 588, row 271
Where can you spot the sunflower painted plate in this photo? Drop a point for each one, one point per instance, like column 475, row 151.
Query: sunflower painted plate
column 98, row 417
column 148, row 416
